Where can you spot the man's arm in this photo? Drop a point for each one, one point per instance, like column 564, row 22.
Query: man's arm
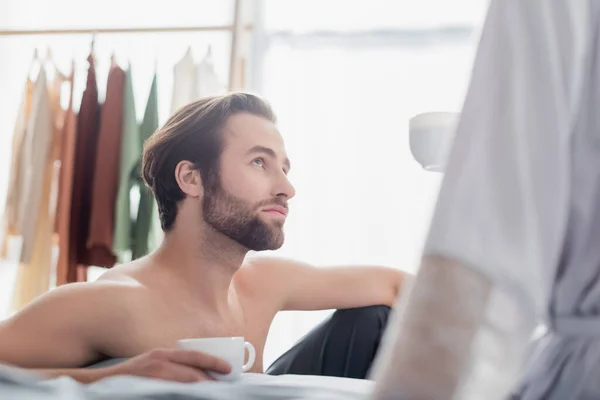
column 61, row 330
column 300, row 286
column 57, row 329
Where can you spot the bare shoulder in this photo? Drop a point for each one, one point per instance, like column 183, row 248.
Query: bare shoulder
column 87, row 305
column 89, row 300
column 69, row 325
column 266, row 276
column 256, row 269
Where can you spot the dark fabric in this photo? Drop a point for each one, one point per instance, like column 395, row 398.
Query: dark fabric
column 88, row 128
column 344, row 345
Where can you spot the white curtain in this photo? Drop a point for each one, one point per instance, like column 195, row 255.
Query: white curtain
column 344, row 83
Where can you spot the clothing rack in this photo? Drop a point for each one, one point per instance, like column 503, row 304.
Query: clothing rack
column 237, row 29
column 28, row 32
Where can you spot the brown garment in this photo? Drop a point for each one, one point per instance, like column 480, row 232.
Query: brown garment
column 106, row 174
column 63, row 213
column 88, row 128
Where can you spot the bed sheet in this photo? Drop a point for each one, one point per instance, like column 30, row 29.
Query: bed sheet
column 17, row 384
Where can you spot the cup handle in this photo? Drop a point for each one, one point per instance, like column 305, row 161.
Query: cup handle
column 251, row 356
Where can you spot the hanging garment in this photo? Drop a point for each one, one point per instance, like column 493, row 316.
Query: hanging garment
column 38, row 279
column 144, row 220
column 184, row 78
column 67, row 164
column 520, row 202
column 16, row 180
column 106, row 174
column 36, row 152
column 59, row 82
column 192, row 82
column 88, row 128
column 31, row 279
column 207, row 81
column 130, row 154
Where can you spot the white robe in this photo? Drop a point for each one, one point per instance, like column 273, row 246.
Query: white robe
column 520, row 200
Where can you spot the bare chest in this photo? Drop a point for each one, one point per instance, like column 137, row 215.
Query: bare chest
column 162, row 325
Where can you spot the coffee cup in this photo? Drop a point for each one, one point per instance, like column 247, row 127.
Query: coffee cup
column 230, row 349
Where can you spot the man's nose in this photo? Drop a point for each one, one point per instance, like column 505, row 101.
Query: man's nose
column 285, row 187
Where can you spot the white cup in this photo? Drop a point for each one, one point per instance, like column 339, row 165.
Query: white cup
column 230, row 349
column 431, row 135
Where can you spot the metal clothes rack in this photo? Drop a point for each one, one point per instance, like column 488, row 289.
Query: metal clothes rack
column 237, row 29
column 24, row 32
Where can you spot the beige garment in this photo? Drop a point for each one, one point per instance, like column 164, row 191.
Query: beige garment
column 193, row 81
column 41, row 258
column 34, row 274
column 15, row 181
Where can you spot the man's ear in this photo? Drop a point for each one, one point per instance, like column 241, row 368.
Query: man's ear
column 188, row 178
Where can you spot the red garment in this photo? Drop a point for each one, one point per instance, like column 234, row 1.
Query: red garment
column 106, row 174
column 88, row 129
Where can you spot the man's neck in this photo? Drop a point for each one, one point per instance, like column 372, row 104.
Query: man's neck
column 203, row 262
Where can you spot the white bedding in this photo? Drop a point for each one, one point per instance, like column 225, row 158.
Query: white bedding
column 16, row 384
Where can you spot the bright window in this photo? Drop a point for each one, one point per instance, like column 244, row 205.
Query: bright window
column 344, row 78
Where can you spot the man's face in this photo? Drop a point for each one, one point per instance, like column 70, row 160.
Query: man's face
column 248, row 200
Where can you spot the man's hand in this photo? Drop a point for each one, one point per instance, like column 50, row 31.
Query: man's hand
column 175, row 365
column 172, row 365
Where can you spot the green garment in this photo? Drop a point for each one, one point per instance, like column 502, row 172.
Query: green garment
column 147, row 204
column 131, row 151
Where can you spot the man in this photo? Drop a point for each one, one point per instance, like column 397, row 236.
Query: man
column 514, row 239
column 218, row 170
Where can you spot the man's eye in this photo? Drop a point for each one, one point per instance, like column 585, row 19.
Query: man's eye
column 258, row 162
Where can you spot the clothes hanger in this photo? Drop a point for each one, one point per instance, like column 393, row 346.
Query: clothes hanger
column 72, row 74
column 34, row 61
column 49, row 60
column 208, row 58
column 93, row 44
column 207, row 61
column 156, row 47
column 92, row 48
column 188, row 54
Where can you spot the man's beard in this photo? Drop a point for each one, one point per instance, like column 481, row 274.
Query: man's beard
column 239, row 221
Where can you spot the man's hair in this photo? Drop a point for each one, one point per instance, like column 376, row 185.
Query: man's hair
column 194, row 133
